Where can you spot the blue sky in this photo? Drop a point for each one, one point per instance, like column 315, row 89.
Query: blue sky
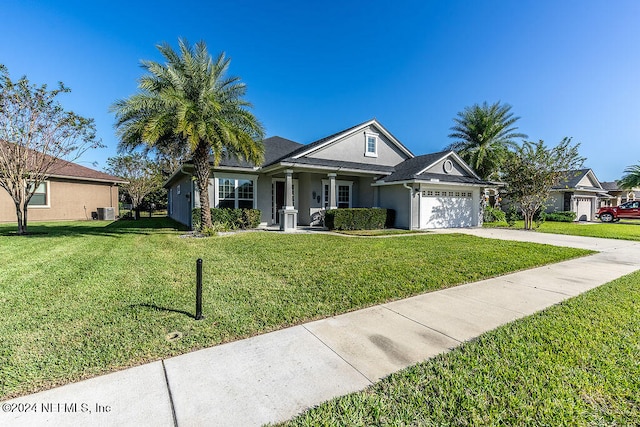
column 568, row 68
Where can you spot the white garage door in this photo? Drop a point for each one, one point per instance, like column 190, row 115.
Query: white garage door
column 583, row 209
column 440, row 211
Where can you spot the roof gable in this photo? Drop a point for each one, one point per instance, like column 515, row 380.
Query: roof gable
column 580, row 178
column 444, row 166
column 372, row 126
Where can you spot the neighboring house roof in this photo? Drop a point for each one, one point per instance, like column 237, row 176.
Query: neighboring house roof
column 610, row 186
column 65, row 169
column 575, row 180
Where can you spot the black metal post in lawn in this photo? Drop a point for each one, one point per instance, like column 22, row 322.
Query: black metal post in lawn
column 199, row 289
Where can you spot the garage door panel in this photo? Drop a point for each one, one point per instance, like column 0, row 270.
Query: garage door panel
column 446, row 212
column 583, row 209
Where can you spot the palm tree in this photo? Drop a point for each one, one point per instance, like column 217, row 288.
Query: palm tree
column 189, row 101
column 631, row 179
column 484, row 134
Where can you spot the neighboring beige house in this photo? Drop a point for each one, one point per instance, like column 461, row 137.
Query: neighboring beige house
column 72, row 192
column 580, row 192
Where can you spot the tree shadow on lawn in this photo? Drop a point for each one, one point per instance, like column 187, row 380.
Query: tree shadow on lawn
column 118, row 228
column 158, row 308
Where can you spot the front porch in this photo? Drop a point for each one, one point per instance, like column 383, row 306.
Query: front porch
column 299, row 198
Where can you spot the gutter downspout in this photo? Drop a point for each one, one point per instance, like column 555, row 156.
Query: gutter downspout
column 410, row 204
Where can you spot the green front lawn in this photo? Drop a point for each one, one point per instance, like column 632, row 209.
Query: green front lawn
column 84, row 298
column 625, row 229
column 377, row 233
column 577, row 363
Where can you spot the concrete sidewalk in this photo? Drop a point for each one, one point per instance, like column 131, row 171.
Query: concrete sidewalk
column 272, row 377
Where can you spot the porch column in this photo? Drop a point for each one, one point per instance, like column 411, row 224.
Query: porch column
column 288, row 189
column 332, row 191
column 288, row 214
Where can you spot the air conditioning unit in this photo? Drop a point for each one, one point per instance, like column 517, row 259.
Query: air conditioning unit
column 106, row 214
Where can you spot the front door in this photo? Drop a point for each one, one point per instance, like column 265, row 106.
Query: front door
column 279, row 200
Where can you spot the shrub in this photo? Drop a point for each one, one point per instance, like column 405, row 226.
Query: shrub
column 225, row 219
column 358, row 218
column 494, row 215
column 512, row 216
column 230, row 218
column 561, row 216
column 251, row 218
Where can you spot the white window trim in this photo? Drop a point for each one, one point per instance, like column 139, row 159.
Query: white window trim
column 368, row 135
column 48, row 198
column 338, row 183
column 235, row 177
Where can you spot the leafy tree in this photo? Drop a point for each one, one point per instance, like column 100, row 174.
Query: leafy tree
column 155, row 200
column 191, row 102
column 142, row 176
column 485, row 134
column 36, row 137
column 533, row 170
column 631, row 179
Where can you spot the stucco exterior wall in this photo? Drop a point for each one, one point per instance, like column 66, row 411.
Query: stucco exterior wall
column 306, row 183
column 68, row 200
column 398, row 198
column 264, row 198
column 352, row 148
column 365, row 192
column 181, row 200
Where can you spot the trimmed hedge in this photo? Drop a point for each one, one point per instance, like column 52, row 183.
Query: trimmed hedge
column 560, row 216
column 229, row 219
column 359, row 218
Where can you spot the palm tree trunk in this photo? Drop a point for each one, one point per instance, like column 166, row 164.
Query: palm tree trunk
column 201, row 165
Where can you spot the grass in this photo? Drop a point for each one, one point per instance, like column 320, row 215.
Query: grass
column 79, row 299
column 577, row 363
column 625, row 229
column 376, row 233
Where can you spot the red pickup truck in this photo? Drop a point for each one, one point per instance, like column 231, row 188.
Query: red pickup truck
column 628, row 210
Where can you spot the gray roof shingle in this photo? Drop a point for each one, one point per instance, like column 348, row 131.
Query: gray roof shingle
column 382, row 169
column 409, row 168
column 571, row 178
column 610, row 186
column 275, row 148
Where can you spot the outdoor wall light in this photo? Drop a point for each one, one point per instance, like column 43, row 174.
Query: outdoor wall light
column 313, row 194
